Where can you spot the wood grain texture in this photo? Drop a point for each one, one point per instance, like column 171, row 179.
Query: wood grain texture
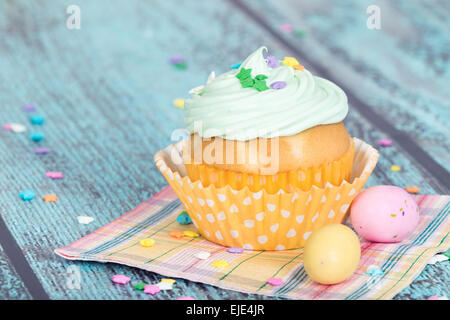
column 106, row 91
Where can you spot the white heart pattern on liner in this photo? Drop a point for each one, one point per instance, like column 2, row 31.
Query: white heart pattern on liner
column 247, row 201
column 249, row 223
column 210, row 217
column 221, row 215
column 234, row 208
column 306, row 235
column 299, row 219
column 201, row 201
column 260, row 216
column 234, row 233
column 280, row 247
column 331, row 214
column 315, row 217
column 271, row 207
column 285, row 213
column 221, row 197
column 344, row 208
column 274, row 228
column 257, row 195
column 210, row 203
column 291, row 233
column 219, row 235
column 262, row 239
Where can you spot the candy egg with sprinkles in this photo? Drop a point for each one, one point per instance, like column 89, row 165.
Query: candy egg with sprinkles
column 384, row 214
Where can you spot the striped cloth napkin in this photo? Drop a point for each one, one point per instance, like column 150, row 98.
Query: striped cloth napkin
column 249, row 271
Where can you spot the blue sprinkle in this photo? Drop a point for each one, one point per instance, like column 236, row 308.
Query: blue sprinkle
column 183, row 218
column 236, row 65
column 36, row 119
column 27, row 195
column 37, row 136
column 374, row 271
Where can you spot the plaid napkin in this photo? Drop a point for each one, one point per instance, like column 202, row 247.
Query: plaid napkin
column 249, row 271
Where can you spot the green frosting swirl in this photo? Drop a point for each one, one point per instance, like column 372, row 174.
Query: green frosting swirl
column 224, row 109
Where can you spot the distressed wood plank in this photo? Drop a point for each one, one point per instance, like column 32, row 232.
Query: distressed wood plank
column 106, row 91
column 11, row 286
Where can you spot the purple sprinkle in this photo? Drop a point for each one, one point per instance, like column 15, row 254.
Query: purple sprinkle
column 29, row 107
column 176, row 59
column 235, row 250
column 41, row 150
column 278, row 85
column 272, row 62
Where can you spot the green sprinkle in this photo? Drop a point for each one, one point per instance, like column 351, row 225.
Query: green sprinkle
column 180, row 66
column 300, row 33
column 447, row 255
column 260, row 85
column 247, row 83
column 244, row 74
column 261, row 77
column 140, row 286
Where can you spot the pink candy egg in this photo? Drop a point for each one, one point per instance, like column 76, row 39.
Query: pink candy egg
column 384, row 214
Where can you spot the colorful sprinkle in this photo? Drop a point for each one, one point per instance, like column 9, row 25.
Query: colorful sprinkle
column 412, row 189
column 17, row 127
column 37, row 119
column 300, row 33
column 7, row 127
column 272, row 62
column 278, row 85
column 286, row 28
column 37, row 136
column 39, row 150
column 27, row 195
column 165, row 286
column 395, row 168
column 84, row 219
column 185, row 298
column 373, row 271
column 236, row 65
column 29, row 107
column 183, row 218
column 290, row 61
column 176, row 234
column 54, row 175
column 275, row 282
column 244, row 74
column 151, row 289
column 179, row 103
column 235, row 250
column 147, row 242
column 260, row 85
column 50, row 198
column 385, row 142
column 203, row 255
column 180, row 66
column 176, row 60
column 298, row 67
column 433, row 298
column 191, row 234
column 171, row 281
column 437, row 258
column 140, row 286
column 219, row 264
column 120, row 279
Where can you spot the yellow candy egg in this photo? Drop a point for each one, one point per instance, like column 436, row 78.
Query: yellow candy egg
column 331, row 254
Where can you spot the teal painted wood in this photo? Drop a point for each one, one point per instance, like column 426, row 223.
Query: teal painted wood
column 106, row 91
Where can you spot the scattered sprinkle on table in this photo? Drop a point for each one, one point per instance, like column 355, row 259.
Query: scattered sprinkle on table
column 235, row 250
column 435, row 297
column 437, row 258
column 176, row 234
column 277, row 85
column 202, row 255
column 40, row 150
column 29, row 107
column 151, row 289
column 50, row 198
column 54, row 175
column 140, row 286
column 185, row 298
column 286, row 28
column 179, row 103
column 37, row 136
column 300, row 33
column 165, row 286
column 37, row 119
column 385, row 142
column 172, row 281
column 236, row 65
column 85, row 219
column 183, row 218
column 412, row 189
column 7, row 127
column 191, row 234
column 176, row 59
column 275, row 282
column 219, row 264
column 395, row 168
column 17, row 127
column 373, row 270
column 120, row 279
column 147, row 242
column 27, row 195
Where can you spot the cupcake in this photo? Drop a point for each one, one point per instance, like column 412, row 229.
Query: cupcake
column 268, row 159
column 268, row 124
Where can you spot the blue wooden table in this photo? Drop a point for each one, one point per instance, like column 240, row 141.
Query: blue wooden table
column 106, row 91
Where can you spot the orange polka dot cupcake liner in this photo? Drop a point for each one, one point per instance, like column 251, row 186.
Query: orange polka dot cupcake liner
column 262, row 220
column 334, row 173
